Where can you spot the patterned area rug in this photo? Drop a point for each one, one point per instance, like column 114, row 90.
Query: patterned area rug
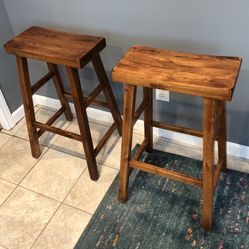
column 161, row 213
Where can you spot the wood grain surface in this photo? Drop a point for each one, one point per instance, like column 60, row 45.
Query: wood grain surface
column 72, row 50
column 200, row 75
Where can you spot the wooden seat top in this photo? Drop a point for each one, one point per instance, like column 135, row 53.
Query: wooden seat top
column 72, row 50
column 200, row 75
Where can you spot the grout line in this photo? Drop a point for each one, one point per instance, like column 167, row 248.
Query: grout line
column 8, row 181
column 6, row 141
column 3, row 246
column 58, row 208
column 101, row 163
column 9, row 195
column 35, row 192
column 77, row 208
column 18, row 185
column 38, row 160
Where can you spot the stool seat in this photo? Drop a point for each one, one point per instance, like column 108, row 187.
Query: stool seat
column 72, row 50
column 200, row 75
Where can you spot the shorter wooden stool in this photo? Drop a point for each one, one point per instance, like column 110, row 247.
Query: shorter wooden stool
column 73, row 51
column 211, row 77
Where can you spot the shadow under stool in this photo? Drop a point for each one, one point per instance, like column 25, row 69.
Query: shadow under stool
column 211, row 77
column 73, row 51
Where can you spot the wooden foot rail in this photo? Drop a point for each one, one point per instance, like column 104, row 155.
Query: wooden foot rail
column 88, row 100
column 165, row 173
column 217, row 172
column 52, row 120
column 93, row 101
column 47, row 127
column 104, row 139
column 181, row 129
column 42, row 81
column 140, row 150
column 58, row 131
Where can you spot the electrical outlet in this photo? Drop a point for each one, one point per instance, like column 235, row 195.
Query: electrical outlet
column 162, row 95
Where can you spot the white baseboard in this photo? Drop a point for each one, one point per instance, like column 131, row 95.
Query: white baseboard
column 92, row 113
column 6, row 119
column 103, row 116
column 18, row 114
column 234, row 149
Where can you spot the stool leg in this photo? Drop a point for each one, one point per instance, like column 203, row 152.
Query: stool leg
column 222, row 135
column 83, row 123
column 148, row 114
column 208, row 162
column 60, row 91
column 129, row 107
column 107, row 90
column 28, row 105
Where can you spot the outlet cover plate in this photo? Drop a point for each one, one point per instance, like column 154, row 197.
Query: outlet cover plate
column 162, row 95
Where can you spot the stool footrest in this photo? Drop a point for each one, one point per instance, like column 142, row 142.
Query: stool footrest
column 140, row 150
column 181, row 129
column 42, row 81
column 69, row 134
column 104, row 139
column 88, row 100
column 165, row 173
column 52, row 120
column 94, row 101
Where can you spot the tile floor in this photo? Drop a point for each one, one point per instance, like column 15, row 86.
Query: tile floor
column 47, row 202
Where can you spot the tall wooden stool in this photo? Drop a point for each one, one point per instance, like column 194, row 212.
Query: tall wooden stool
column 73, row 51
column 211, row 77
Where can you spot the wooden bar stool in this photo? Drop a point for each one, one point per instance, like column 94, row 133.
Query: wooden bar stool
column 73, row 51
column 211, row 77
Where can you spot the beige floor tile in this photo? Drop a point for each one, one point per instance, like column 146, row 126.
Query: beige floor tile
column 42, row 116
column 87, row 194
column 5, row 190
column 4, row 139
column 64, row 230
column 110, row 153
column 22, row 218
column 112, row 157
column 74, row 147
column 19, row 125
column 16, row 159
column 55, row 174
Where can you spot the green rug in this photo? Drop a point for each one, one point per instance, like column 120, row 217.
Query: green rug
column 161, row 213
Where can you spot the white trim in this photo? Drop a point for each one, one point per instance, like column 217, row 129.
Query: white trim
column 6, row 119
column 18, row 114
column 103, row 116
column 92, row 113
column 234, row 149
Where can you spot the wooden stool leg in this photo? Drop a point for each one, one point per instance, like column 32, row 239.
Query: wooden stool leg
column 107, row 90
column 148, row 114
column 83, row 123
column 60, row 91
column 28, row 105
column 222, row 134
column 129, row 107
column 208, row 162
